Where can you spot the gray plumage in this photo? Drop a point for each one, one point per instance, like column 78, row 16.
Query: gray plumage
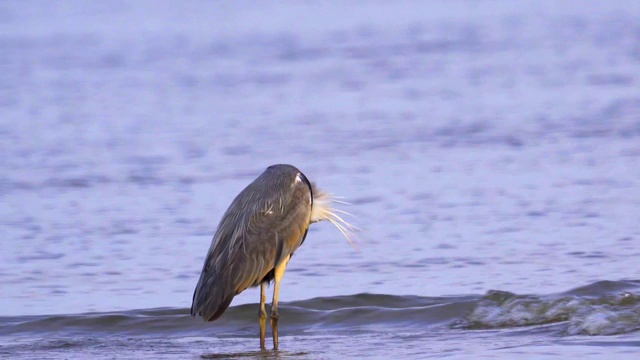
column 264, row 225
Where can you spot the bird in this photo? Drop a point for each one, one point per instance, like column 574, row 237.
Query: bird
column 255, row 239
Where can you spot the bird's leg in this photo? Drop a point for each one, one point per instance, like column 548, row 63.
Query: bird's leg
column 278, row 273
column 263, row 314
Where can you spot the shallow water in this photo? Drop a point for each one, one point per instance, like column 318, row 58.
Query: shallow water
column 498, row 323
column 485, row 151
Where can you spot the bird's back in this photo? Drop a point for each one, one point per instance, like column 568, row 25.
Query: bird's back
column 265, row 223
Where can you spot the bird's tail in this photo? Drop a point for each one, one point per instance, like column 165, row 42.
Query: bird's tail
column 211, row 297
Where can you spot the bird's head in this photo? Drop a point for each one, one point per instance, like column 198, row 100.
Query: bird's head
column 297, row 186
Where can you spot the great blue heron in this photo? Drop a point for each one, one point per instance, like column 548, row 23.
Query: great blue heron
column 256, row 237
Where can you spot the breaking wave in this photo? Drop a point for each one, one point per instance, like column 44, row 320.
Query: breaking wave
column 602, row 308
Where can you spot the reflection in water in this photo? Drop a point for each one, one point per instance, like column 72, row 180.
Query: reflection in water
column 262, row 354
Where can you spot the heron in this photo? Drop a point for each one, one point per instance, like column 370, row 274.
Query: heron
column 255, row 239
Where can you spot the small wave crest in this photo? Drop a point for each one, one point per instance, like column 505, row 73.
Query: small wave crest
column 602, row 308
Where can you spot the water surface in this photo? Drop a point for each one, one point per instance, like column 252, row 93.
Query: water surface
column 491, row 156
